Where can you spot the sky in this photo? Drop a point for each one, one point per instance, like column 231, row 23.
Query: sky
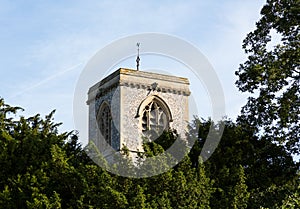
column 45, row 45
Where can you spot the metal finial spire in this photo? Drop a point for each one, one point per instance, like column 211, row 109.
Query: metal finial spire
column 138, row 56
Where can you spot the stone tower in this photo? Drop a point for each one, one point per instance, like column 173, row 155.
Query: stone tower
column 129, row 105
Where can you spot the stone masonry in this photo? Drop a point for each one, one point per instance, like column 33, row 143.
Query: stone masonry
column 126, row 92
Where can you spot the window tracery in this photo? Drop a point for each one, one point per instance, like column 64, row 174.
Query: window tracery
column 155, row 116
column 104, row 122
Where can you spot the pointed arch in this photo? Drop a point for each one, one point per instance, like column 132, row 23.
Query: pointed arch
column 104, row 121
column 154, row 114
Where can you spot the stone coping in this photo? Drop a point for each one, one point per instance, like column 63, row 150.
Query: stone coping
column 140, row 74
column 133, row 79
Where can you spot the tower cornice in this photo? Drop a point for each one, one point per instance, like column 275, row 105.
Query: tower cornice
column 140, row 80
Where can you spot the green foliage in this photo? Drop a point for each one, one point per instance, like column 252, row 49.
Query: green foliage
column 292, row 197
column 45, row 169
column 240, row 195
column 162, row 143
column 42, row 201
column 251, row 168
column 272, row 74
column 139, row 199
column 42, row 168
column 244, row 161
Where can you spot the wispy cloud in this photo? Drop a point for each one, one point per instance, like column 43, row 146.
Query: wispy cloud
column 46, row 37
column 45, row 81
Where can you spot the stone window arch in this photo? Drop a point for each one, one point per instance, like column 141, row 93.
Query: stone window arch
column 104, row 120
column 154, row 114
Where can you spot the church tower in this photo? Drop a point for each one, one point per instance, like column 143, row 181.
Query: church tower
column 129, row 106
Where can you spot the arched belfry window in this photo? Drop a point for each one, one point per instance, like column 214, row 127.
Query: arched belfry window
column 154, row 114
column 104, row 122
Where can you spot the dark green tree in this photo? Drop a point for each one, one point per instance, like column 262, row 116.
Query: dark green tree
column 139, row 198
column 180, row 187
column 42, row 168
column 272, row 74
column 245, row 161
column 240, row 194
column 292, row 199
column 290, row 191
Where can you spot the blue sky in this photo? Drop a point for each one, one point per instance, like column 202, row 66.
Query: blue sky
column 44, row 45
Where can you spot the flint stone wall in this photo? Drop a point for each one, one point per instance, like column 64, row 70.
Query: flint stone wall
column 124, row 91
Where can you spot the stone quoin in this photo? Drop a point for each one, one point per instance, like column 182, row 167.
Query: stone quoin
column 128, row 106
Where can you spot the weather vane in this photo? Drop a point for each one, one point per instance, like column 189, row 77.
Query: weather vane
column 138, row 56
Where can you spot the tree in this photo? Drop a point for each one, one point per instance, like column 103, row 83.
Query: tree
column 180, row 187
column 240, row 193
column 244, row 167
column 139, row 198
column 292, row 201
column 291, row 191
column 272, row 74
column 42, row 168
